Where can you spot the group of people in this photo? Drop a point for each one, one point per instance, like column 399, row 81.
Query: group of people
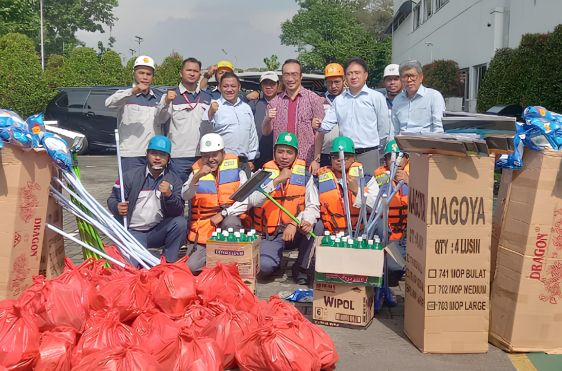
column 196, row 146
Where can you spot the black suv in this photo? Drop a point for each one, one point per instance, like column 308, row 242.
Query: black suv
column 83, row 110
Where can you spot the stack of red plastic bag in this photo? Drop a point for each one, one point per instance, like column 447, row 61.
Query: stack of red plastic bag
column 97, row 318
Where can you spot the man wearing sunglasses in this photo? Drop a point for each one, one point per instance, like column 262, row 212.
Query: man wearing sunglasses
column 417, row 109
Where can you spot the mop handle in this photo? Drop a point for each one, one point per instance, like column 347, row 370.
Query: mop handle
column 284, row 210
column 345, row 193
column 120, row 167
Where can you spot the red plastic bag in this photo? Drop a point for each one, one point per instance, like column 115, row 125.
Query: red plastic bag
column 158, row 335
column 278, row 308
column 113, row 252
column 19, row 337
column 197, row 353
column 227, row 329
column 173, row 287
column 104, row 331
column 55, row 349
column 196, row 318
column 320, row 342
column 128, row 292
column 272, row 349
column 120, row 359
column 223, row 283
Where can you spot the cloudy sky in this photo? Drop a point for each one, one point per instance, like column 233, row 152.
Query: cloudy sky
column 247, row 30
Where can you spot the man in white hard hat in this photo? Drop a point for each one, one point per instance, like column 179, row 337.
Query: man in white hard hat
column 392, row 87
column 215, row 177
column 136, row 114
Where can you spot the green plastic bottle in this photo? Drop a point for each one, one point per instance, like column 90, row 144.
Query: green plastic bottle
column 337, row 242
column 219, row 230
column 350, row 243
column 333, row 241
column 326, row 239
column 237, row 237
column 371, row 245
column 360, row 243
column 378, row 244
column 213, row 236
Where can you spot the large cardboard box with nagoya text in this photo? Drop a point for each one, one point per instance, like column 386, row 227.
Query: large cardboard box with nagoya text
column 448, row 253
column 24, row 189
column 245, row 254
column 526, row 311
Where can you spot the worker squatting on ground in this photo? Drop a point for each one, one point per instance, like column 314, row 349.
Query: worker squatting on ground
column 153, row 203
column 398, row 207
column 330, row 189
column 293, row 187
column 215, row 177
column 136, row 114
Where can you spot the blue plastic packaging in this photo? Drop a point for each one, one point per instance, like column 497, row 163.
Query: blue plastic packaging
column 57, row 148
column 542, row 129
column 301, row 296
column 14, row 130
column 515, row 159
column 36, row 126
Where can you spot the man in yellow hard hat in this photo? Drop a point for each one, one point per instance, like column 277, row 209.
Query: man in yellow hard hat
column 136, row 114
column 216, row 70
column 334, row 81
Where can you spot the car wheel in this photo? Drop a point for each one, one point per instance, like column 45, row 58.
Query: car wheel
column 84, row 149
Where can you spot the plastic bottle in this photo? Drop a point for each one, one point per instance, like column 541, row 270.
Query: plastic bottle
column 213, row 236
column 378, row 244
column 219, row 230
column 333, row 241
column 371, row 245
column 326, row 239
column 230, row 230
column 360, row 243
column 350, row 243
column 337, row 242
column 237, row 237
column 224, row 236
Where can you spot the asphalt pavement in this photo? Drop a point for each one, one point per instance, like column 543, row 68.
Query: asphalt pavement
column 382, row 346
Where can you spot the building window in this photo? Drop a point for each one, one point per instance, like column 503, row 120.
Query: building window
column 441, row 3
column 417, row 14
column 480, row 71
column 428, row 8
column 465, row 80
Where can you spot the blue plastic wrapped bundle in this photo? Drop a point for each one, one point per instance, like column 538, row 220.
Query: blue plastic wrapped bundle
column 36, row 126
column 57, row 148
column 14, row 130
column 515, row 159
column 542, row 129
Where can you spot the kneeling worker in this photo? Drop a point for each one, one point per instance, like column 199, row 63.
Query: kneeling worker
column 154, row 206
column 330, row 189
column 398, row 206
column 293, row 187
column 215, row 177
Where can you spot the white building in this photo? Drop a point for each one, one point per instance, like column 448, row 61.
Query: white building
column 467, row 31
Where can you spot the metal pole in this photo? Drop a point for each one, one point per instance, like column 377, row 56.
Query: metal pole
column 120, row 167
column 41, row 35
column 345, row 193
column 363, row 211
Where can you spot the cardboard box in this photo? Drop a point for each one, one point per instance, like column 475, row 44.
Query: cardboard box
column 251, row 283
column 52, row 256
column 526, row 313
column 348, row 266
column 343, row 305
column 24, row 189
column 448, row 253
column 348, row 279
column 245, row 254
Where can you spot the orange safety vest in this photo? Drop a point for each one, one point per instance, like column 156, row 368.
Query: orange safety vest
column 332, row 210
column 213, row 194
column 398, row 207
column 291, row 195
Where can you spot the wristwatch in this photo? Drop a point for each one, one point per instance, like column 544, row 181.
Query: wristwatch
column 224, row 213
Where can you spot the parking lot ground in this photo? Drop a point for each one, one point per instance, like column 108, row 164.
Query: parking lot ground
column 382, row 346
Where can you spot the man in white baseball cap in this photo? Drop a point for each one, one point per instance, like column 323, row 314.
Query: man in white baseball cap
column 215, row 177
column 136, row 114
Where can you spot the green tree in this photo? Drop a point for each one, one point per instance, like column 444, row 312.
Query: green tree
column 327, row 31
column 167, row 73
column 22, row 86
column 444, row 76
column 127, row 77
column 375, row 16
column 111, row 68
column 272, row 63
column 62, row 20
column 81, row 68
column 53, row 70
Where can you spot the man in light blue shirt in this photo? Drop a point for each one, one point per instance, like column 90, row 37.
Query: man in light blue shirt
column 417, row 109
column 362, row 115
column 234, row 121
